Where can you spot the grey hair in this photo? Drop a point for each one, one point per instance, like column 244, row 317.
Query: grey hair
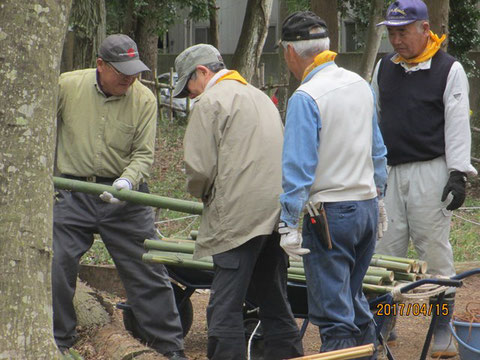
column 309, row 48
column 213, row 67
column 419, row 25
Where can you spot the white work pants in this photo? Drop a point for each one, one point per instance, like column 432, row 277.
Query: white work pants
column 416, row 212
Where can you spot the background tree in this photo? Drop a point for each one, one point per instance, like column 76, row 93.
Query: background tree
column 88, row 29
column 252, row 37
column 373, row 39
column 438, row 13
column 328, row 11
column 464, row 34
column 213, row 20
column 31, row 38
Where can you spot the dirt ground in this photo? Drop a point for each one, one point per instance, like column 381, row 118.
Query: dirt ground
column 411, row 329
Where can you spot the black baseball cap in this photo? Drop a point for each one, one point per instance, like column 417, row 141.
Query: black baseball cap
column 297, row 26
column 122, row 53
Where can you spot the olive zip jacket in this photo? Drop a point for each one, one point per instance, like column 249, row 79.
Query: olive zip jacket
column 233, row 161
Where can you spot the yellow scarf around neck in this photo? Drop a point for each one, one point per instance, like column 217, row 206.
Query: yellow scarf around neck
column 232, row 75
column 323, row 57
column 433, row 45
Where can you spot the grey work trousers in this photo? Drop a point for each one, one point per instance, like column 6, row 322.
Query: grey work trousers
column 256, row 270
column 415, row 212
column 123, row 228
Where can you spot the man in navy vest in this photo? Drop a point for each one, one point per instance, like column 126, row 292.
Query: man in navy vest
column 423, row 110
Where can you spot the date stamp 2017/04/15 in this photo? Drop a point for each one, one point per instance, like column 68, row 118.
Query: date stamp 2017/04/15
column 415, row 309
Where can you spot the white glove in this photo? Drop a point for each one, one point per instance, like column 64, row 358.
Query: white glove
column 382, row 219
column 291, row 242
column 119, row 184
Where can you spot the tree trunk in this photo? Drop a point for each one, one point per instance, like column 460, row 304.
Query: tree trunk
column 31, row 39
column 328, row 11
column 213, row 28
column 88, row 20
column 438, row 13
column 284, row 74
column 146, row 37
column 130, row 19
column 252, row 38
column 374, row 37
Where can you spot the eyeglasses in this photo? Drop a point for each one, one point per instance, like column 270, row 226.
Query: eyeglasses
column 118, row 73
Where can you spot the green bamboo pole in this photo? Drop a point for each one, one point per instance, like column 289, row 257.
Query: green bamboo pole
column 193, row 234
column 189, row 207
column 376, row 289
column 371, row 279
column 294, row 277
column 387, row 275
column 405, row 276
column 391, row 265
column 180, row 255
column 418, row 266
column 296, row 271
column 169, row 246
column 195, row 264
column 423, row 266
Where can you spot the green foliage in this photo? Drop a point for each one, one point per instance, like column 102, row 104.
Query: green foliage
column 464, row 35
column 297, row 5
column 165, row 12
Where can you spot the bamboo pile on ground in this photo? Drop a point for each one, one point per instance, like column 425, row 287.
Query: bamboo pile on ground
column 383, row 274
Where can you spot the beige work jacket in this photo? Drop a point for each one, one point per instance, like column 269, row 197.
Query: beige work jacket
column 233, row 153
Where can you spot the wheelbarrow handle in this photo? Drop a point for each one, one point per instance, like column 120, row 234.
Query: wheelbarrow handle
column 443, row 282
column 466, row 274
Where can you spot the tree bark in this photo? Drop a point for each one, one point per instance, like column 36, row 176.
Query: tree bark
column 438, row 13
column 284, row 73
column 31, row 39
column 252, row 38
column 146, row 37
column 213, row 28
column 328, row 11
column 88, row 20
column 374, row 37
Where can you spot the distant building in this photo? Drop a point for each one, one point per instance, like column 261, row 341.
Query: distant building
column 230, row 18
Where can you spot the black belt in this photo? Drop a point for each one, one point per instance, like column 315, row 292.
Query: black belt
column 94, row 179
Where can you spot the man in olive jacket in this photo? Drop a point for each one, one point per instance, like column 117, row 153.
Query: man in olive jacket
column 233, row 147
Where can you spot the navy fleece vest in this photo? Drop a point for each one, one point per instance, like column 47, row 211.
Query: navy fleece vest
column 412, row 110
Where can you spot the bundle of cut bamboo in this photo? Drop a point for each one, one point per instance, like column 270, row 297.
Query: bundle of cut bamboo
column 382, row 275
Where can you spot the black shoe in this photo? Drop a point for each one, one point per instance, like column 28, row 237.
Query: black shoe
column 175, row 355
column 64, row 350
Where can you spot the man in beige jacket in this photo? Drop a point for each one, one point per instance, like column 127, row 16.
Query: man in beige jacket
column 233, row 147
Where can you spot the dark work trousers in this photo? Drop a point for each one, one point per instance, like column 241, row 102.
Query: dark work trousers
column 123, row 228
column 260, row 267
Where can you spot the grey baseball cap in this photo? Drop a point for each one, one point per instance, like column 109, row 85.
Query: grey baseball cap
column 187, row 61
column 122, row 53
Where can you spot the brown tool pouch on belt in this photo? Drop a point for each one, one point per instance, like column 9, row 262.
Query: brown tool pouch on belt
column 321, row 226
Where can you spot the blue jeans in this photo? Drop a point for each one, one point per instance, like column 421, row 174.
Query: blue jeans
column 336, row 303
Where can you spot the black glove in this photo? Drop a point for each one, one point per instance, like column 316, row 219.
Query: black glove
column 456, row 185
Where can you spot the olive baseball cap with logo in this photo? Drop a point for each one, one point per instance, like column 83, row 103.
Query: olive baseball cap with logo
column 121, row 52
column 188, row 60
column 404, row 12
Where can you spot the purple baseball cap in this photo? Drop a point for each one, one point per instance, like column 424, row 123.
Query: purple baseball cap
column 404, row 12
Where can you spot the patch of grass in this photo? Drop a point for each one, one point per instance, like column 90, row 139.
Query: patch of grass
column 464, row 232
column 97, row 255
